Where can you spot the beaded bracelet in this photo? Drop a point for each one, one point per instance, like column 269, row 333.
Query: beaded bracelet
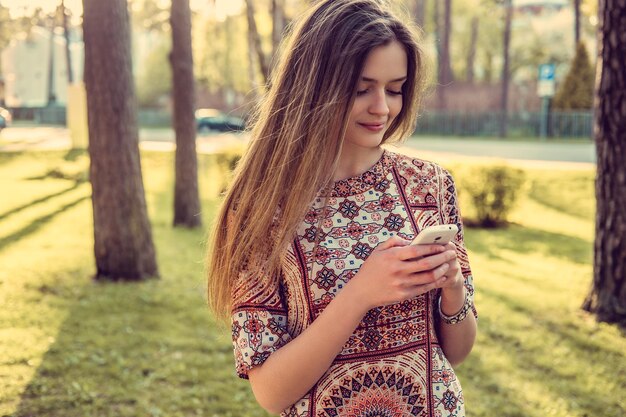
column 460, row 315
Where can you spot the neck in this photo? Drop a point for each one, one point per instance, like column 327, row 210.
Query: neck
column 355, row 160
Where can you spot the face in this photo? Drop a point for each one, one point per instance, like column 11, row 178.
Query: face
column 379, row 96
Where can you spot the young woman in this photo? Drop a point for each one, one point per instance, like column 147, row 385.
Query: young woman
column 333, row 312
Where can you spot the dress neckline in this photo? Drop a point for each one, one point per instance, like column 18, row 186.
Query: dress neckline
column 361, row 182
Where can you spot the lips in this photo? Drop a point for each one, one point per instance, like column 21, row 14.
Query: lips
column 373, row 126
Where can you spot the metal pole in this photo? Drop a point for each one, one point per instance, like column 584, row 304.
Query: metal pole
column 545, row 106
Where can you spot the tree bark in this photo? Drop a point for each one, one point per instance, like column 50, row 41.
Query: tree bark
column 448, row 75
column 257, row 41
column 66, row 33
column 471, row 52
column 576, row 23
column 441, row 95
column 186, row 197
column 607, row 297
column 504, row 97
column 419, row 12
column 278, row 25
column 123, row 238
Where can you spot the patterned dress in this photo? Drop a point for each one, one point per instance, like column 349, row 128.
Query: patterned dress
column 393, row 364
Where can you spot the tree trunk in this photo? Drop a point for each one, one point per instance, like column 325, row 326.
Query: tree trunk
column 186, row 197
column 278, row 25
column 504, row 98
column 576, row 23
column 252, row 73
column 419, row 12
column 52, row 98
column 441, row 95
column 123, row 238
column 607, row 298
column 66, row 33
column 257, row 41
column 471, row 52
column 448, row 76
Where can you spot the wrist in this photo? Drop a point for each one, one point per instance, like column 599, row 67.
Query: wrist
column 452, row 300
column 458, row 315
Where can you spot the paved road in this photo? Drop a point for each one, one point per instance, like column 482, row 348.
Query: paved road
column 24, row 138
column 19, row 138
column 537, row 151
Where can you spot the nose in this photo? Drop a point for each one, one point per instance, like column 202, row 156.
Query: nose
column 379, row 104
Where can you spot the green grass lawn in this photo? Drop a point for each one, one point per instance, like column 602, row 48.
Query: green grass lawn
column 70, row 346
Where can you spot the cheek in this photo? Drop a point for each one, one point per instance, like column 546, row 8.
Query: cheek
column 395, row 107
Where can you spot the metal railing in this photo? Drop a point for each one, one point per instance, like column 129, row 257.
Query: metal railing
column 436, row 123
column 520, row 125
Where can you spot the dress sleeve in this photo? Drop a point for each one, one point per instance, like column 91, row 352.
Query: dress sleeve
column 259, row 319
column 451, row 214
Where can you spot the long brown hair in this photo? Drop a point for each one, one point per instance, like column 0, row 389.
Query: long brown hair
column 297, row 135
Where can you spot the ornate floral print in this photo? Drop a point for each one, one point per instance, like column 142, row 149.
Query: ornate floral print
column 392, row 365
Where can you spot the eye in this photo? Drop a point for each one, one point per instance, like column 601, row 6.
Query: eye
column 394, row 93
column 361, row 92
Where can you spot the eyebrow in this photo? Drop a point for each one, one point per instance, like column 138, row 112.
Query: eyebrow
column 366, row 79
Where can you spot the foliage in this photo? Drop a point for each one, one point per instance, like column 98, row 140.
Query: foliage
column 576, row 92
column 221, row 53
column 489, row 192
column 154, row 80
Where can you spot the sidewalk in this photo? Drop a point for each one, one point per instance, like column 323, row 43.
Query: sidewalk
column 540, row 155
column 46, row 138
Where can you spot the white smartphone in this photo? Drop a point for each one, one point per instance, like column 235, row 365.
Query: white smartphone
column 439, row 234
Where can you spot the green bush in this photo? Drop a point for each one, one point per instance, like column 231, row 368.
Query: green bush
column 489, row 193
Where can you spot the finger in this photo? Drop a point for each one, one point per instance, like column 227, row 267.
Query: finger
column 392, row 242
column 417, row 251
column 422, row 289
column 424, row 278
column 430, row 262
column 450, row 246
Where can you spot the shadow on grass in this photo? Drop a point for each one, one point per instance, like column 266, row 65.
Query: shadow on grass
column 526, row 240
column 38, row 201
column 37, row 224
column 138, row 349
column 578, row 344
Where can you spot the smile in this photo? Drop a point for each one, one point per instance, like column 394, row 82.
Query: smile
column 373, row 127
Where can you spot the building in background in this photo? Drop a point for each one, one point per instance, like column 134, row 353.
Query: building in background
column 34, row 68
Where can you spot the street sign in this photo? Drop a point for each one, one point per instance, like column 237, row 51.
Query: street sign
column 546, row 83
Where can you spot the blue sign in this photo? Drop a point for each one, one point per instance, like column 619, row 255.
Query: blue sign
column 546, row 72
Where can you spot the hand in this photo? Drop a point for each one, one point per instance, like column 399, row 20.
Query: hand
column 392, row 274
column 454, row 277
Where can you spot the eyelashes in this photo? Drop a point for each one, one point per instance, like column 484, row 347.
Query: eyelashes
column 391, row 92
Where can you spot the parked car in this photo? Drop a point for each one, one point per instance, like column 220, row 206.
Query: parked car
column 213, row 119
column 5, row 118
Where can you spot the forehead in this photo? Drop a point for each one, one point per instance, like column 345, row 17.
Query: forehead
column 385, row 63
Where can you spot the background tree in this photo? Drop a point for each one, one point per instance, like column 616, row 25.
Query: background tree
column 154, row 76
column 576, row 92
column 123, row 239
column 504, row 98
column 607, row 297
column 278, row 24
column 256, row 41
column 576, row 22
column 186, row 197
column 471, row 51
column 419, row 12
column 64, row 13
